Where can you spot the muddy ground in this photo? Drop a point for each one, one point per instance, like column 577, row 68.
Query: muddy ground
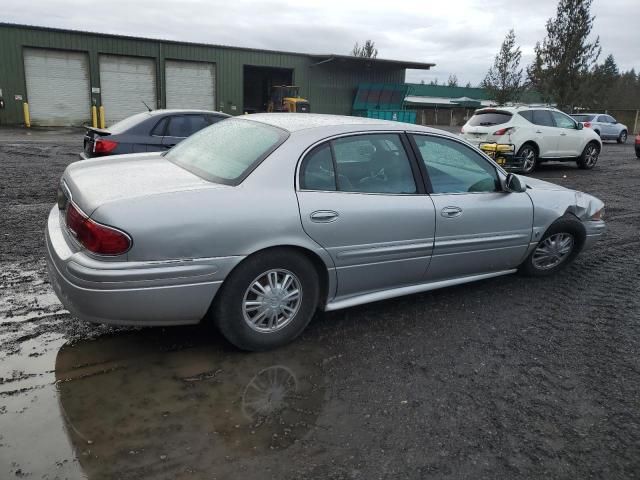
column 507, row 378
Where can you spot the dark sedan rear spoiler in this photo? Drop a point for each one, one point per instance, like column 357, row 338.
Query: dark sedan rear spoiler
column 100, row 131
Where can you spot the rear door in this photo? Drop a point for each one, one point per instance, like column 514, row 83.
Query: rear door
column 360, row 200
column 479, row 228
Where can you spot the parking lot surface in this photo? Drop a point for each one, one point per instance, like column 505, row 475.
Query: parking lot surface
column 507, row 378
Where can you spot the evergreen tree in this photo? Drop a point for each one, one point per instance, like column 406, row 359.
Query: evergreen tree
column 504, row 79
column 368, row 50
column 566, row 54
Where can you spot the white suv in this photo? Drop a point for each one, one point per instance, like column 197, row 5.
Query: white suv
column 538, row 134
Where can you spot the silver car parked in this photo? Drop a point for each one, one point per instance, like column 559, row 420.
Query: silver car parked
column 604, row 125
column 260, row 220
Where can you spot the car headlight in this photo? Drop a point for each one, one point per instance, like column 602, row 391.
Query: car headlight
column 599, row 215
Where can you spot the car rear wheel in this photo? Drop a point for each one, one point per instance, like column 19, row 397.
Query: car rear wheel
column 529, row 157
column 558, row 247
column 267, row 301
column 623, row 137
column 589, row 156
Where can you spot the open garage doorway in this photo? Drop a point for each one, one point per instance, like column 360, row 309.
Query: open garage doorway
column 257, row 85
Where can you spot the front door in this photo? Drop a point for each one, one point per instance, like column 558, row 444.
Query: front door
column 546, row 135
column 359, row 199
column 479, row 227
column 570, row 139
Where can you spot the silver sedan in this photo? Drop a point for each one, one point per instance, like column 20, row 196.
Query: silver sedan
column 258, row 221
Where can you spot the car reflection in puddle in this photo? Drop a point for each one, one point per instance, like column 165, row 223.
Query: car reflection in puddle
column 140, row 406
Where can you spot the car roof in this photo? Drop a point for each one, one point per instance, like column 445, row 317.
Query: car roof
column 586, row 113
column 164, row 111
column 293, row 122
column 516, row 108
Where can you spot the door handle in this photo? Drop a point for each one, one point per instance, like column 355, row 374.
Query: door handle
column 324, row 216
column 563, row 134
column 451, row 212
column 538, row 131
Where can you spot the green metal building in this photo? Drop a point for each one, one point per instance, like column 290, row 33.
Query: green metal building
column 63, row 73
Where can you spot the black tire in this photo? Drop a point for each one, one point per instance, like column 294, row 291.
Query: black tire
column 530, row 152
column 589, row 156
column 622, row 138
column 567, row 225
column 228, row 313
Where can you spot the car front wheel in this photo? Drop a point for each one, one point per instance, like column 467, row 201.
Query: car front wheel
column 589, row 156
column 529, row 158
column 558, row 247
column 267, row 301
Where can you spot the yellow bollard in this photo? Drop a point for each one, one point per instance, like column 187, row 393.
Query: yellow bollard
column 94, row 116
column 27, row 117
column 103, row 121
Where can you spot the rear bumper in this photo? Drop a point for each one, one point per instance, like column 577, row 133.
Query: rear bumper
column 173, row 292
column 595, row 230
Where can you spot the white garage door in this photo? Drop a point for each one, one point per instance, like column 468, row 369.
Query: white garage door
column 125, row 83
column 58, row 89
column 190, row 84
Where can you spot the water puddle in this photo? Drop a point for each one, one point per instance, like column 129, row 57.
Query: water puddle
column 161, row 404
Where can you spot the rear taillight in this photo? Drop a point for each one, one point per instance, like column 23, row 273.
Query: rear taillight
column 104, row 146
column 462, row 130
column 587, row 124
column 95, row 237
column 504, row 131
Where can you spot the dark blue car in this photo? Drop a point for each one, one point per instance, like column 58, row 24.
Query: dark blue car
column 153, row 131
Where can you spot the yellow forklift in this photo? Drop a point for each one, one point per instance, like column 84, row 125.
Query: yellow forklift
column 286, row 98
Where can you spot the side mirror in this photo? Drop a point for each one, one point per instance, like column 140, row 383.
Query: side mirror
column 579, row 126
column 512, row 184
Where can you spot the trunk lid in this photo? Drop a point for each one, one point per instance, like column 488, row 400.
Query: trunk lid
column 90, row 138
column 95, row 182
column 478, row 134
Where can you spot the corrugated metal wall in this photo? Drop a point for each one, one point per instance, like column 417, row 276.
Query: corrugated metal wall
column 330, row 87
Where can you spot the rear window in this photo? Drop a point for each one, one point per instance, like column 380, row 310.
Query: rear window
column 488, row 118
column 124, row 125
column 583, row 118
column 228, row 151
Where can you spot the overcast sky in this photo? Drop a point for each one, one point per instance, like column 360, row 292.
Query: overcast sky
column 461, row 37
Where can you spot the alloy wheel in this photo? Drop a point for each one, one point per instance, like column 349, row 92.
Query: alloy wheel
column 552, row 251
column 529, row 159
column 591, row 156
column 272, row 301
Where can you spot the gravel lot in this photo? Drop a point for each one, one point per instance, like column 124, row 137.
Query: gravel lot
column 507, row 378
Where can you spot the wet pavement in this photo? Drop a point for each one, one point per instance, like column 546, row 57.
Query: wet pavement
column 507, row 378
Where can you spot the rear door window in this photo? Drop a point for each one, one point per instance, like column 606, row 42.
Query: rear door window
column 528, row 115
column 182, row 126
column 489, row 118
column 371, row 163
column 317, row 171
column 374, row 163
column 543, row 118
column 161, row 126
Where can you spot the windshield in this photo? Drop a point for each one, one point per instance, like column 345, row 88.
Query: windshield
column 488, row 118
column 228, row 151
